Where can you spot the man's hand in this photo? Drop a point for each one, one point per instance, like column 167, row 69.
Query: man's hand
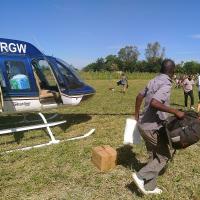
column 179, row 114
column 138, row 103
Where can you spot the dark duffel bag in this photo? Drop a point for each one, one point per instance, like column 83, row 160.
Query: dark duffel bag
column 183, row 132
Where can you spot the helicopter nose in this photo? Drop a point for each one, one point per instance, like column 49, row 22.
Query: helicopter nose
column 89, row 90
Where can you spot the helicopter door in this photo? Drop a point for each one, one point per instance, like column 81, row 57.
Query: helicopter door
column 48, row 90
column 18, row 86
column 2, row 86
column 71, row 86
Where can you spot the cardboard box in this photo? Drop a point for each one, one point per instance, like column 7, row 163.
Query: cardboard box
column 104, row 157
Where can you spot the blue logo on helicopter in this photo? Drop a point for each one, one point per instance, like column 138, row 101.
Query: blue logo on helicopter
column 12, row 48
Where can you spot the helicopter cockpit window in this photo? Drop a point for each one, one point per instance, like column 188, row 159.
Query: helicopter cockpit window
column 72, row 81
column 17, row 75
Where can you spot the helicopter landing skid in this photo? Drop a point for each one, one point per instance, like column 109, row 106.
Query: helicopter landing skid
column 25, row 120
column 39, row 126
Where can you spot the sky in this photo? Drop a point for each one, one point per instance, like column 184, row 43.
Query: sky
column 81, row 31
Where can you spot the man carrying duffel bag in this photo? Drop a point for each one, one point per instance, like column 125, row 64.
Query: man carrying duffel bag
column 156, row 97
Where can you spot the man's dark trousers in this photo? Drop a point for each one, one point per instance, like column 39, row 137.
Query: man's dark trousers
column 186, row 94
column 159, row 153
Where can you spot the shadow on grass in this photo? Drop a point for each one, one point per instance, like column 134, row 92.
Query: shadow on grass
column 133, row 188
column 72, row 119
column 127, row 158
column 109, row 114
column 13, row 121
column 175, row 104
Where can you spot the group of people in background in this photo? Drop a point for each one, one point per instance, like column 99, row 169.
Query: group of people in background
column 187, row 82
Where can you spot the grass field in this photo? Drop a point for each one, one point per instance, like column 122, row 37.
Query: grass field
column 65, row 171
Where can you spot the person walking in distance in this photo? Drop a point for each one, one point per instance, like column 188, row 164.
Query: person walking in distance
column 123, row 82
column 156, row 108
column 198, row 85
column 188, row 91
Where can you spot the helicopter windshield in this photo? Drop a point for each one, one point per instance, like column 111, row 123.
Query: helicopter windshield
column 72, row 69
column 72, row 79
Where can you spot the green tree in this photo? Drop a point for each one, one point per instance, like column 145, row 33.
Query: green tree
column 191, row 67
column 112, row 62
column 90, row 67
column 179, row 68
column 128, row 57
column 100, row 65
column 154, row 52
column 141, row 66
column 154, row 55
column 128, row 54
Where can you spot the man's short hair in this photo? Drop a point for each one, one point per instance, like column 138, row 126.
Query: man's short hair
column 167, row 67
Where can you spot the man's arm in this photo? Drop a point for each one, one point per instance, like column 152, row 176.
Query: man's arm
column 138, row 103
column 183, row 83
column 161, row 107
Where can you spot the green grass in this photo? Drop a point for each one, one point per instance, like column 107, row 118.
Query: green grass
column 105, row 75
column 65, row 171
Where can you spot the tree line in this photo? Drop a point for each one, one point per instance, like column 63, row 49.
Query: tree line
column 127, row 60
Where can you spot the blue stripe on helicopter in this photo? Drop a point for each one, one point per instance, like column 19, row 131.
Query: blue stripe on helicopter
column 79, row 91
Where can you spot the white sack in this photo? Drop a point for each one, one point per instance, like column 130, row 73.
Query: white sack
column 131, row 132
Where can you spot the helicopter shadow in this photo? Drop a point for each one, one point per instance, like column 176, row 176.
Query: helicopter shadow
column 73, row 119
column 14, row 121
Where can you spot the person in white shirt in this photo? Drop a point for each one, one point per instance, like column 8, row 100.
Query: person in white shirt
column 188, row 91
column 198, row 84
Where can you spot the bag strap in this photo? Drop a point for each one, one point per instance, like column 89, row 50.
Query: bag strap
column 173, row 154
column 171, row 149
column 168, row 134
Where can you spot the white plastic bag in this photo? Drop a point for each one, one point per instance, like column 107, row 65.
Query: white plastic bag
column 131, row 132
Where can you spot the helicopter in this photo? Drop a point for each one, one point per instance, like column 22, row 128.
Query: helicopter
column 31, row 81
